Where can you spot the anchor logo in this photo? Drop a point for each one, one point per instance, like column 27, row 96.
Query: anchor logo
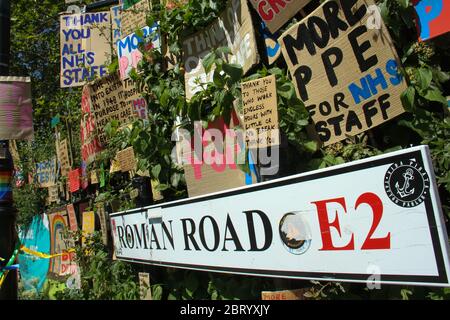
column 403, row 191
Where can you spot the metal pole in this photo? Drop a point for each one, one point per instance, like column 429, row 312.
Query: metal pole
column 7, row 211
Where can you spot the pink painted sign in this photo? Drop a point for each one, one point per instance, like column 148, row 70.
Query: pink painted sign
column 16, row 112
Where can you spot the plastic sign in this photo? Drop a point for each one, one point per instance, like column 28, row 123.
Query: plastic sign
column 433, row 18
column 378, row 220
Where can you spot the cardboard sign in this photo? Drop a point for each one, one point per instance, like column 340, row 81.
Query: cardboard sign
column 116, row 17
column 90, row 145
column 135, row 99
column 259, row 98
column 103, row 225
column 433, row 18
column 16, row 110
column 389, row 229
column 128, row 52
column 214, row 168
column 135, row 17
column 53, row 193
column 72, row 217
column 74, row 180
column 273, row 48
column 233, row 29
column 108, row 103
column 144, row 286
column 348, row 76
column 283, row 295
column 276, row 13
column 94, row 177
column 46, row 173
column 58, row 225
column 62, row 153
column 88, row 225
column 127, row 159
column 85, row 47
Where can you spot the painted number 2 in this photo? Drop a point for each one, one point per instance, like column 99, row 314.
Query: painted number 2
column 371, row 243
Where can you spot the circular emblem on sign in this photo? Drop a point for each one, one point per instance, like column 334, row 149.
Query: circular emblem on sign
column 295, row 233
column 406, row 184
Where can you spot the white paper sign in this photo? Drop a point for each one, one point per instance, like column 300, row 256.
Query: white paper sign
column 377, row 220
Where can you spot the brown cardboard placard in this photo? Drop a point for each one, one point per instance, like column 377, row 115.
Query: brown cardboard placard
column 94, row 177
column 103, row 225
column 134, row 97
column 276, row 13
column 72, row 217
column 233, row 29
column 46, row 173
column 127, row 159
column 144, row 286
column 348, row 74
column 62, row 153
column 90, row 145
column 108, row 103
column 53, row 193
column 283, row 295
column 85, row 47
column 259, row 98
column 134, row 17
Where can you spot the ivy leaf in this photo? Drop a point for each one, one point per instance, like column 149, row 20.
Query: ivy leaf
column 208, row 61
column 424, row 77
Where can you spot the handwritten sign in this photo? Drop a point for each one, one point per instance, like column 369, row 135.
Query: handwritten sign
column 73, row 223
column 135, row 17
column 145, row 292
column 233, row 29
column 347, row 74
column 108, row 103
column 90, row 145
column 74, row 180
column 127, row 159
column 62, row 153
column 433, row 18
column 135, row 99
column 85, row 47
column 88, row 225
column 58, row 225
column 259, row 98
column 102, row 217
column 16, row 114
column 276, row 13
column 45, row 173
column 53, row 193
column 116, row 18
column 297, row 294
column 128, row 52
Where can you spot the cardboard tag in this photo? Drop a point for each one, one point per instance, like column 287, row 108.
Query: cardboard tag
column 259, row 99
column 94, row 177
column 144, row 285
column 127, row 159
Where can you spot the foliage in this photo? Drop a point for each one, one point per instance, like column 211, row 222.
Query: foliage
column 101, row 278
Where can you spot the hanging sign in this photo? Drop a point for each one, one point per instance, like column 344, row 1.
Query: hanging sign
column 88, row 225
column 259, row 99
column 58, row 226
column 276, row 13
column 127, row 159
column 232, row 29
column 135, row 99
column 72, row 217
column 108, row 103
column 74, row 180
column 85, row 47
column 345, row 70
column 319, row 225
column 103, row 225
column 62, row 153
column 145, row 291
column 16, row 114
column 128, row 52
column 433, row 18
column 90, row 145
column 134, row 17
column 46, row 173
column 116, row 17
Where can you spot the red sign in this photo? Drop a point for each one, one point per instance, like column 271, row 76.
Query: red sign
column 74, row 180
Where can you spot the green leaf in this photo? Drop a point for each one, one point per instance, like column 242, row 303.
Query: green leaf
column 407, row 98
column 156, row 171
column 208, row 61
column 424, row 77
column 435, row 95
column 234, row 71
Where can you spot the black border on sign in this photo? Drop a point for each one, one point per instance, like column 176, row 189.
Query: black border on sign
column 441, row 278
